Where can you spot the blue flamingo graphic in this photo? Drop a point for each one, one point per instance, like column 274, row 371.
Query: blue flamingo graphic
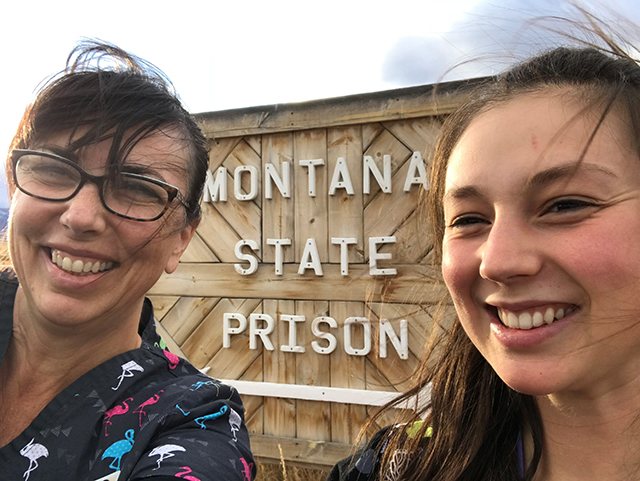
column 200, row 421
column 119, row 449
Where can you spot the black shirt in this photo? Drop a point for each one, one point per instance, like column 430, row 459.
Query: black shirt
column 143, row 414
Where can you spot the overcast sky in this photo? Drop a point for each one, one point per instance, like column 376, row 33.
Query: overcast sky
column 231, row 54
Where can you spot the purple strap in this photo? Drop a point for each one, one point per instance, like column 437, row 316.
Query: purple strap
column 520, row 456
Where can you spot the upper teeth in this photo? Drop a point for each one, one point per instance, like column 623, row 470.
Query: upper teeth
column 527, row 320
column 77, row 266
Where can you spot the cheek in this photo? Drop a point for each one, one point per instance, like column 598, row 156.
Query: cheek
column 604, row 260
column 459, row 270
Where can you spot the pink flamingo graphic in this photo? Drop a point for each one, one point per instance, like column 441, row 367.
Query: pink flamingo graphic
column 32, row 452
column 116, row 411
column 152, row 400
column 173, row 359
column 180, row 474
column 246, row 470
column 166, row 451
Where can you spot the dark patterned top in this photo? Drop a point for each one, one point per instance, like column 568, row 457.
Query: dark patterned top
column 365, row 464
column 144, row 414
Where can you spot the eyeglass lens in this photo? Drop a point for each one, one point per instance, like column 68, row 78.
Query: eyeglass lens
column 125, row 194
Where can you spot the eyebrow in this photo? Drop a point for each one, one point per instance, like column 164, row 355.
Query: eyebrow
column 59, row 150
column 541, row 179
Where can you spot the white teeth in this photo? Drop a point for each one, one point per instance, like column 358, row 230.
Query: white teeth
column 549, row 316
column 527, row 320
column 78, row 266
column 538, row 320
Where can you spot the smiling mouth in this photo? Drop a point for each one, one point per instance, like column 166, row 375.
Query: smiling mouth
column 532, row 318
column 78, row 266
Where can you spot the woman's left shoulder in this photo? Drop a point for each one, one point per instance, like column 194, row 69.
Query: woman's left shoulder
column 366, row 463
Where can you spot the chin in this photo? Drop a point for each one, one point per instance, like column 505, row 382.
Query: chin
column 536, row 382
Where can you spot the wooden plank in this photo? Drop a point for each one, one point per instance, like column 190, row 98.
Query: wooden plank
column 398, row 370
column 312, row 417
column 386, row 144
column 253, row 405
column 417, row 284
column 206, row 339
column 369, row 134
column 386, row 212
column 198, row 251
column 419, row 322
column 255, row 421
column 375, row 379
column 345, row 211
column 244, row 217
column 404, row 103
column 186, row 315
column 255, row 142
column 216, row 232
column 414, row 239
column 278, row 216
column 298, row 452
column 418, row 135
column 232, row 362
column 244, row 155
column 279, row 414
column 162, row 305
column 346, row 372
column 219, row 149
column 311, row 216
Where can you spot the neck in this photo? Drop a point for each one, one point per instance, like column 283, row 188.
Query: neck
column 591, row 437
column 52, row 355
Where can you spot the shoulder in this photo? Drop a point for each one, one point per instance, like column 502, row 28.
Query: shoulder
column 365, row 464
column 8, row 282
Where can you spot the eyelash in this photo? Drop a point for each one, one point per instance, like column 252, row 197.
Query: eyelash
column 572, row 204
column 464, row 221
column 557, row 206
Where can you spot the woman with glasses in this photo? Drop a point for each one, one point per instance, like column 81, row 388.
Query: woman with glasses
column 105, row 176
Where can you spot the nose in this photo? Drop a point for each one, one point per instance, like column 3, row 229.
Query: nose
column 84, row 213
column 510, row 252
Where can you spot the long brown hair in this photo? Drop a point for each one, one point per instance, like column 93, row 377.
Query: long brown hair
column 474, row 419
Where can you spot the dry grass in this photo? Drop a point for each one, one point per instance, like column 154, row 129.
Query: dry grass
column 281, row 472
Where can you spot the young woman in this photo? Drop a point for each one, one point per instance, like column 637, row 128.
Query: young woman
column 535, row 204
column 105, row 175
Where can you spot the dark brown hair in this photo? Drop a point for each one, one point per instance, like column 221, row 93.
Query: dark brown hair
column 476, row 420
column 112, row 94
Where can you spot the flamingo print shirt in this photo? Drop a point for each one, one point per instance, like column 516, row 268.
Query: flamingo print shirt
column 144, row 414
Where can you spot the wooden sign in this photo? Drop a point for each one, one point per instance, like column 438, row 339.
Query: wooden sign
column 308, row 284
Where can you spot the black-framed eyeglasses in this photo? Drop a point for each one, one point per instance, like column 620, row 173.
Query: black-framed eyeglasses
column 48, row 176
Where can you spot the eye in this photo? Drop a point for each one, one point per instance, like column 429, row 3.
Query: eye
column 568, row 205
column 466, row 220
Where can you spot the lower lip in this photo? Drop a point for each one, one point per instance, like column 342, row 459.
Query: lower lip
column 68, row 279
column 528, row 338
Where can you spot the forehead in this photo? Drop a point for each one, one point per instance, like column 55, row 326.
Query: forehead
column 163, row 149
column 514, row 141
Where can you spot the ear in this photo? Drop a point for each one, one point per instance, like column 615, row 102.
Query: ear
column 182, row 242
